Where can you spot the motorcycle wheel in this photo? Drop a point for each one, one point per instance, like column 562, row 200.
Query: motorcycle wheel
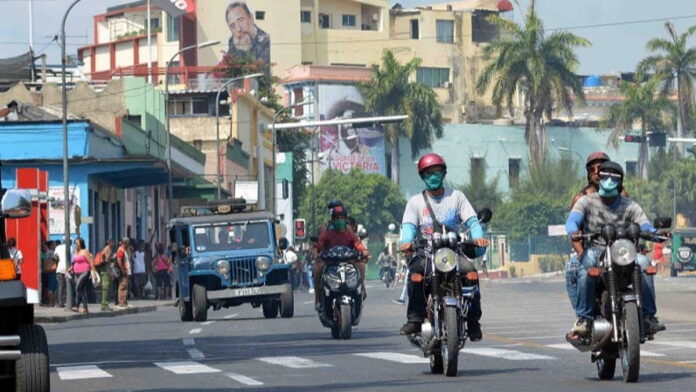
column 345, row 323
column 606, row 368
column 436, row 364
column 630, row 344
column 450, row 347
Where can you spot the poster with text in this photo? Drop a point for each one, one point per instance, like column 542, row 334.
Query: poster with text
column 56, row 208
column 348, row 146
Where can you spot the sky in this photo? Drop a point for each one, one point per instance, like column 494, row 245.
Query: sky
column 615, row 48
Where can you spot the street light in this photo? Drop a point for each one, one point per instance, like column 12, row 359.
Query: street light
column 217, row 126
column 166, row 113
column 66, row 181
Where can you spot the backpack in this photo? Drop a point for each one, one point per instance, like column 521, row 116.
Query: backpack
column 98, row 259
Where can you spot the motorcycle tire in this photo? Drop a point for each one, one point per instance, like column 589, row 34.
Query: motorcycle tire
column 345, row 322
column 606, row 368
column 450, row 347
column 630, row 344
column 436, row 366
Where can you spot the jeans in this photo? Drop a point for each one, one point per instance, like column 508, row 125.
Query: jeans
column 308, row 275
column 581, row 287
column 404, row 292
column 63, row 286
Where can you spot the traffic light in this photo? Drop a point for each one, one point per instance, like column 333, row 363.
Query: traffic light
column 633, row 139
column 300, row 232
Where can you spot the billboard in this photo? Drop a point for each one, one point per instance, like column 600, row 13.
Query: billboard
column 344, row 147
column 56, row 210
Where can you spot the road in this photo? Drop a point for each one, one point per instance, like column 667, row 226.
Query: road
column 237, row 349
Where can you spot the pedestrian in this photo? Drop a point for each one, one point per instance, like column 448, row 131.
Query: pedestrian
column 48, row 275
column 61, row 272
column 124, row 265
column 308, row 267
column 161, row 265
column 102, row 262
column 81, row 268
column 139, row 272
column 16, row 255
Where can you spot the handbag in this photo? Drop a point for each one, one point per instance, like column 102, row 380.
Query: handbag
column 96, row 279
column 115, row 270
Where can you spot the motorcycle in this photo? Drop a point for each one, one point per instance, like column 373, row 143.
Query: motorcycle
column 617, row 332
column 449, row 294
column 387, row 275
column 343, row 292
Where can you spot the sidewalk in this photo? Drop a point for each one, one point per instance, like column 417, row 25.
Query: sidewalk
column 44, row 314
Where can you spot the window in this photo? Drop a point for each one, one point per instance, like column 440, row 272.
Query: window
column 188, row 107
column 631, row 168
column 481, row 29
column 306, row 16
column 477, row 168
column 154, row 23
column 432, row 77
column 325, row 21
column 173, row 25
column 260, row 15
column 414, row 29
column 349, row 20
column 299, row 97
column 514, row 172
column 445, row 31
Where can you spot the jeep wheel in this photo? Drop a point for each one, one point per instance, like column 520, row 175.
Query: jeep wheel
column 199, row 302
column 270, row 309
column 287, row 303
column 185, row 312
column 31, row 370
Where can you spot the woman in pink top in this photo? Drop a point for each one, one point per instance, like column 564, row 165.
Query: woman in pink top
column 82, row 265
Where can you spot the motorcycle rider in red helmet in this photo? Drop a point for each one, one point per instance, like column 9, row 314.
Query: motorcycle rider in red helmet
column 451, row 209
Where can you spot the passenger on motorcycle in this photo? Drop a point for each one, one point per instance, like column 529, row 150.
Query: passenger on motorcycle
column 451, row 208
column 588, row 215
column 336, row 234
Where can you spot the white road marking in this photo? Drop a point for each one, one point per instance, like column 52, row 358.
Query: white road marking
column 395, row 357
column 243, row 379
column 189, row 342
column 230, row 316
column 293, row 362
column 81, row 372
column 207, row 323
column 308, row 302
column 505, row 354
column 186, row 367
column 195, row 331
column 688, row 362
column 195, row 353
column 677, row 343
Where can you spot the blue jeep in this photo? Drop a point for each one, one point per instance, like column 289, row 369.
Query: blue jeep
column 228, row 259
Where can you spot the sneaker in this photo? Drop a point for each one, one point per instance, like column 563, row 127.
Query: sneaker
column 310, row 291
column 410, row 328
column 580, row 328
column 474, row 329
column 399, row 301
column 652, row 325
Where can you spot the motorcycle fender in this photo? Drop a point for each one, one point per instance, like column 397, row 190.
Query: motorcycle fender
column 450, row 301
column 629, row 298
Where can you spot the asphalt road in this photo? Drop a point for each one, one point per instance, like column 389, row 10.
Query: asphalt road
column 237, row 349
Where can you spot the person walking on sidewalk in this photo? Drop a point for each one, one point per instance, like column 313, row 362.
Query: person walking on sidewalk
column 124, row 264
column 102, row 262
column 16, row 255
column 161, row 265
column 64, row 283
column 139, row 272
column 82, row 266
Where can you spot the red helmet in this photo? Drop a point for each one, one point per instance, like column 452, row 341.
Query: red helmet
column 430, row 160
column 597, row 156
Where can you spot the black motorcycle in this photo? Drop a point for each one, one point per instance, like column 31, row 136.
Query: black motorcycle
column 343, row 292
column 449, row 292
column 387, row 274
column 617, row 332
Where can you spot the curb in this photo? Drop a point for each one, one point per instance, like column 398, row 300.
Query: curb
column 81, row 316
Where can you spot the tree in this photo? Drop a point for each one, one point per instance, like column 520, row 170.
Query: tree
column 391, row 92
column 641, row 103
column 542, row 67
column 480, row 192
column 672, row 62
column 371, row 199
column 553, row 179
column 529, row 214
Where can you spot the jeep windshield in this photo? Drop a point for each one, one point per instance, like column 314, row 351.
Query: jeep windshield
column 231, row 236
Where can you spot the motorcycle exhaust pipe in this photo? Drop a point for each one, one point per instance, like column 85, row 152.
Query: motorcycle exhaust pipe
column 600, row 335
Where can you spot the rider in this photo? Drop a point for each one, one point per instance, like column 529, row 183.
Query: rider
column 386, row 262
column 588, row 215
column 336, row 234
column 451, row 208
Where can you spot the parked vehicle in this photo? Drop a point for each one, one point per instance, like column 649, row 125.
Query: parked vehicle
column 23, row 344
column 618, row 332
column 450, row 293
column 226, row 255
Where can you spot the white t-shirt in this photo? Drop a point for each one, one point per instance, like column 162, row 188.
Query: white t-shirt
column 17, row 256
column 290, row 257
column 139, row 263
column 452, row 209
column 60, row 253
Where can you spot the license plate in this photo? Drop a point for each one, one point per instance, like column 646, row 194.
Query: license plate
column 247, row 291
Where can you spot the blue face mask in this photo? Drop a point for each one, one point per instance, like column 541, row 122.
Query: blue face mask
column 433, row 181
column 609, row 187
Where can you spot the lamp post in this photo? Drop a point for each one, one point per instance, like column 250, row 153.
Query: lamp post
column 217, row 126
column 166, row 113
column 66, row 180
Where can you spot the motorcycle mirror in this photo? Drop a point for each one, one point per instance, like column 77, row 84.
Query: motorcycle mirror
column 484, row 215
column 608, row 233
column 633, row 231
column 362, row 234
column 662, row 223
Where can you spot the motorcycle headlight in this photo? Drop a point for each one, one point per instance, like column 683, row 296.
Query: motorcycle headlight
column 333, row 280
column 263, row 263
column 445, row 259
column 223, row 267
column 623, row 252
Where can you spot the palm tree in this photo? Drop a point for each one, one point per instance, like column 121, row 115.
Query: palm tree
column 392, row 92
column 642, row 103
column 673, row 62
column 541, row 66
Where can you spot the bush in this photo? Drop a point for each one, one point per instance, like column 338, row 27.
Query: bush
column 551, row 263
